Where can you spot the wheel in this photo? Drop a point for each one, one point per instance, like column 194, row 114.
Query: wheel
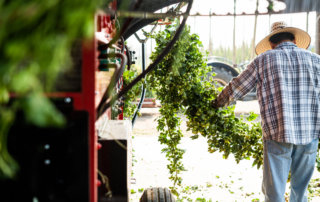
column 157, row 194
column 224, row 74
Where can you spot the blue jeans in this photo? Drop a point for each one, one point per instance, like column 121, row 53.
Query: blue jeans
column 279, row 158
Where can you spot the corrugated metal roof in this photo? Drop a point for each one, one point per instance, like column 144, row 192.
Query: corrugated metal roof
column 148, row 6
column 301, row 5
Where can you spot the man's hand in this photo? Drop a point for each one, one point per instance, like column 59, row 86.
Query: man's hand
column 214, row 104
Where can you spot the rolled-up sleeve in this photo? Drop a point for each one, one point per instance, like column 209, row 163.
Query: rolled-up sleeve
column 239, row 86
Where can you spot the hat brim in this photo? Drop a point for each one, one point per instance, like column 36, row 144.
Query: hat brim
column 302, row 38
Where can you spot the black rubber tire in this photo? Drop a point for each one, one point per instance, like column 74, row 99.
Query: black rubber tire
column 157, row 194
column 223, row 76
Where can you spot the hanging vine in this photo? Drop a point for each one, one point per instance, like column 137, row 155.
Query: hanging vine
column 181, row 84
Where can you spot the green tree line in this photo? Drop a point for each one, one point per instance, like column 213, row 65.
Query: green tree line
column 243, row 52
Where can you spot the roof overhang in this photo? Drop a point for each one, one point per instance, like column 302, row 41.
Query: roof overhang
column 147, row 6
column 294, row 6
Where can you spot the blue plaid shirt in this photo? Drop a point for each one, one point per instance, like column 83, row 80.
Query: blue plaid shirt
column 288, row 90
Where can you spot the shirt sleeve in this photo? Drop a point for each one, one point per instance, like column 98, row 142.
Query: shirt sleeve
column 238, row 86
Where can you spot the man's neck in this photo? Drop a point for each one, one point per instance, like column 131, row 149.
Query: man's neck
column 275, row 45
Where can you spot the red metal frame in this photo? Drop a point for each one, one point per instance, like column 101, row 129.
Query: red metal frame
column 85, row 101
column 89, row 57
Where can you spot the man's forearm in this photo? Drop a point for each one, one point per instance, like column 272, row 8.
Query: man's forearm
column 224, row 98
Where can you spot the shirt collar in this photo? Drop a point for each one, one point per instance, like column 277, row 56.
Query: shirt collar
column 286, row 44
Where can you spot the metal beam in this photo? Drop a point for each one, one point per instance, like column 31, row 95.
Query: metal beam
column 293, row 6
column 318, row 33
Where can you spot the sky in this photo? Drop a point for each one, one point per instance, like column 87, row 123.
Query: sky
column 222, row 27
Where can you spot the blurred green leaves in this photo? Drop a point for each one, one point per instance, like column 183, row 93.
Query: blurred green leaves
column 40, row 111
column 8, row 166
column 36, row 38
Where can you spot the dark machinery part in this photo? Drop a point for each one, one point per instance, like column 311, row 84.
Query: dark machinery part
column 148, row 6
column 115, row 78
column 132, row 56
column 224, row 73
column 157, row 194
column 129, row 55
column 122, row 45
column 143, row 93
column 124, row 27
column 53, row 161
column 113, row 163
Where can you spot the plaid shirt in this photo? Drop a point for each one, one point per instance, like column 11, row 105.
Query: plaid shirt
column 287, row 79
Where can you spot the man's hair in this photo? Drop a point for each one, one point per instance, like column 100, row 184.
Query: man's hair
column 277, row 38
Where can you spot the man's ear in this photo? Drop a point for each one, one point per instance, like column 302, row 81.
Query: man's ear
column 272, row 45
column 294, row 41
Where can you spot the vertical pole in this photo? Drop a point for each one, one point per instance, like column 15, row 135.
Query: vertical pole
column 210, row 35
column 143, row 93
column 89, row 55
column 318, row 33
column 234, row 35
column 307, row 21
column 254, row 30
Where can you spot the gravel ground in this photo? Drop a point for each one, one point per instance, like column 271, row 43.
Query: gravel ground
column 208, row 176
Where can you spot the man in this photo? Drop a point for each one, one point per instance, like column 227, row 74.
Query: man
column 287, row 79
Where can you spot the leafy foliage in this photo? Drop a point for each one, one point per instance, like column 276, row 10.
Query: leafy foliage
column 36, row 38
column 243, row 53
column 180, row 87
column 129, row 107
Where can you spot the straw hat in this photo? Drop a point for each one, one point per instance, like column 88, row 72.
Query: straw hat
column 303, row 39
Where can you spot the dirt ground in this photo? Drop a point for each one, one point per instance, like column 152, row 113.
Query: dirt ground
column 208, row 176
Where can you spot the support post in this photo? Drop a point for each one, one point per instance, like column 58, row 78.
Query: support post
column 234, row 35
column 318, row 33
